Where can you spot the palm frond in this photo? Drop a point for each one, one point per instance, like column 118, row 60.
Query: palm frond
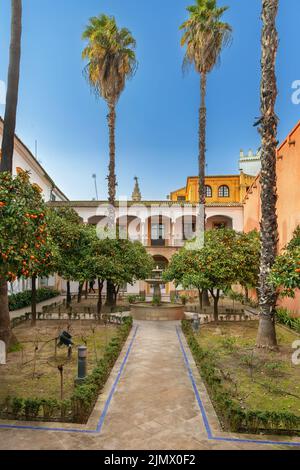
column 111, row 57
column 205, row 35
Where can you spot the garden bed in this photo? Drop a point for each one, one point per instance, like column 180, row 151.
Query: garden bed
column 252, row 390
column 30, row 385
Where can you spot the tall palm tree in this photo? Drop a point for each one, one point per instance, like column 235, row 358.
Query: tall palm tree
column 205, row 36
column 12, row 88
column 7, row 149
column 268, row 130
column 111, row 60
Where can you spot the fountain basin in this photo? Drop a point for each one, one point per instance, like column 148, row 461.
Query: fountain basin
column 165, row 312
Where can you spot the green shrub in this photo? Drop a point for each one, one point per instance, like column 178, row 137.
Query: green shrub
column 229, row 344
column 49, row 406
column 132, row 299
column 156, row 301
column 15, row 348
column 23, row 299
column 17, row 406
column 284, row 317
column 32, row 407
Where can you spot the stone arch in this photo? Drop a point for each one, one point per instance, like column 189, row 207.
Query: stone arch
column 219, row 221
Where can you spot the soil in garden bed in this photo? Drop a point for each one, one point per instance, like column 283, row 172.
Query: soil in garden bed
column 27, row 377
column 256, row 379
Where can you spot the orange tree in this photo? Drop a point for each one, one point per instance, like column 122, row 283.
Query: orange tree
column 131, row 263
column 38, row 259
column 185, row 271
column 285, row 274
column 22, row 236
column 215, row 267
column 248, row 246
column 67, row 232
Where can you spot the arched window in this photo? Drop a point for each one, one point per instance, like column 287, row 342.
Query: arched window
column 224, row 191
column 208, row 191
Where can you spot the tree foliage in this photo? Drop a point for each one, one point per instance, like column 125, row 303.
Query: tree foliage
column 222, row 262
column 24, row 244
column 205, row 35
column 111, row 57
column 285, row 273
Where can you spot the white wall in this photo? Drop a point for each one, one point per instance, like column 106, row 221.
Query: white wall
column 22, row 158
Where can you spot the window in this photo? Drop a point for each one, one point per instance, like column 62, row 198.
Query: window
column 181, row 198
column 52, row 197
column 158, row 234
column 224, row 191
column 208, row 191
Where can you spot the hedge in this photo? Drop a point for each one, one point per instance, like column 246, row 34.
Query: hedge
column 23, row 299
column 84, row 397
column 233, row 416
column 284, row 318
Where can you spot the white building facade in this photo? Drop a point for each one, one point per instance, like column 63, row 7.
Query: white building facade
column 23, row 160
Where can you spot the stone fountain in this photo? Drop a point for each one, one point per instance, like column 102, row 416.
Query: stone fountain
column 150, row 311
column 156, row 282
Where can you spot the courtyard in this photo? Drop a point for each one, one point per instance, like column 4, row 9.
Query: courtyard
column 153, row 400
column 154, row 305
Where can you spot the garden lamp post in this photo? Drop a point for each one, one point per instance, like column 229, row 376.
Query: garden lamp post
column 82, row 364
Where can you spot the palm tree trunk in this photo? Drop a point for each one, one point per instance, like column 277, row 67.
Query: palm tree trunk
column 268, row 129
column 12, row 88
column 112, row 179
column 202, row 152
column 33, row 301
column 112, row 184
column 202, row 168
column 7, row 150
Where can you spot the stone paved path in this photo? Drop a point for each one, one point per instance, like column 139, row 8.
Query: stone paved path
column 153, row 408
column 22, row 311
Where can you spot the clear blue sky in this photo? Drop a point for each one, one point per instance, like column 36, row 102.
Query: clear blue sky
column 158, row 112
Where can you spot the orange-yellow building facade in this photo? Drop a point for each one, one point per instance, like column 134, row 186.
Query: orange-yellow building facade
column 288, row 204
column 219, row 189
